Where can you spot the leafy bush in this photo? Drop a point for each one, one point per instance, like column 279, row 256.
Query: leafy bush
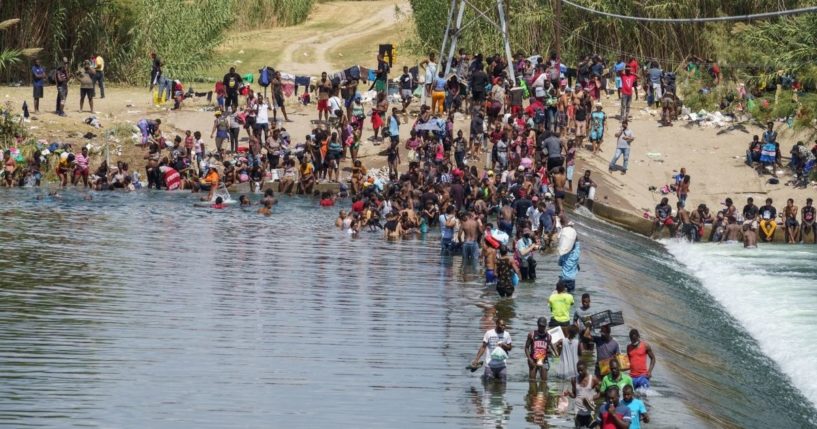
column 10, row 125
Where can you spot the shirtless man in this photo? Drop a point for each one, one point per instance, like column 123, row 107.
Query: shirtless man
column 687, row 228
column 698, row 218
column 733, row 232
column 807, row 218
column 506, row 220
column 559, row 182
column 392, row 229
column 340, row 219
column 791, row 228
column 469, row 230
column 489, row 258
column 269, row 195
column 266, row 209
column 561, row 112
column 750, row 235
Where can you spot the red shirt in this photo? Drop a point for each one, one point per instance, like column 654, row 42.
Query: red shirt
column 627, row 84
column 172, row 179
column 327, row 202
column 358, row 206
column 531, row 110
column 633, row 66
column 638, row 359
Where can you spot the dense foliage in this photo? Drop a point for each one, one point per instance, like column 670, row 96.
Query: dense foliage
column 183, row 32
column 533, row 27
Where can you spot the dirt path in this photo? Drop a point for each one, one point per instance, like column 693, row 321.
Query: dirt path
column 323, row 42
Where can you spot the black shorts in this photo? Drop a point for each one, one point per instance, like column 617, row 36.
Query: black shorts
column 478, row 96
column 554, row 323
column 584, row 420
column 279, row 100
column 38, row 92
column 505, row 292
column 555, row 162
column 86, row 92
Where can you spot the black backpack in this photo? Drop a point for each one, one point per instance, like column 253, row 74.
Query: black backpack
column 539, row 116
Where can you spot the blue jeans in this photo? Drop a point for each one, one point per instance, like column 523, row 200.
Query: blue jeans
column 470, row 253
column 445, row 245
column 620, row 151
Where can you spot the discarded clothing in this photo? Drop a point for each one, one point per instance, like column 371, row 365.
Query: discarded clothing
column 352, row 73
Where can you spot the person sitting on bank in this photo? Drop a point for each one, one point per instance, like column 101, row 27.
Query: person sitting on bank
column 583, row 187
column 807, row 219
column 791, row 228
column 768, row 222
column 663, row 217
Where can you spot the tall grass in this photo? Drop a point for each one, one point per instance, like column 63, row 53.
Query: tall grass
column 252, row 14
column 184, row 33
column 533, row 27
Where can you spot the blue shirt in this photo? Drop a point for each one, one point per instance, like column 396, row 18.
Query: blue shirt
column 618, row 68
column 444, row 230
column 35, row 70
column 394, row 126
column 570, row 263
column 637, row 408
column 439, row 84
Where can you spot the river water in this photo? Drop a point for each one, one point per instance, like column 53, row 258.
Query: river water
column 138, row 310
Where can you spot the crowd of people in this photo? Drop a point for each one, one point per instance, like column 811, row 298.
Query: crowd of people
column 495, row 190
column 728, row 225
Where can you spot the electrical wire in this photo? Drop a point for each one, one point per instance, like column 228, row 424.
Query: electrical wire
column 664, row 61
column 750, row 17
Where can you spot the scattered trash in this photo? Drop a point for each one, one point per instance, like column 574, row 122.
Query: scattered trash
column 93, row 121
column 707, row 119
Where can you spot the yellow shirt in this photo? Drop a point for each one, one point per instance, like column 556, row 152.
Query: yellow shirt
column 306, row 169
column 100, row 63
column 560, row 304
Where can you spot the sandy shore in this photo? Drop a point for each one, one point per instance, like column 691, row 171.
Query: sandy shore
column 713, row 157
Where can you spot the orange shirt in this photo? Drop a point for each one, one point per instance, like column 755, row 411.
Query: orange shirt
column 212, row 178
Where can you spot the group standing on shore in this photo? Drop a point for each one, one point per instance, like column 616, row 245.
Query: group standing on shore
column 496, row 190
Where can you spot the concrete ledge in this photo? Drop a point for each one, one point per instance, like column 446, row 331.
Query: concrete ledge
column 638, row 224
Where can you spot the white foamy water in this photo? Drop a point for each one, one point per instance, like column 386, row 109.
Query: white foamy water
column 772, row 292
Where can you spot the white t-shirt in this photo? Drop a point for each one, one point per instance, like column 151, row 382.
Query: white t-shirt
column 198, row 145
column 263, row 115
column 431, row 72
column 534, row 214
column 335, row 104
column 624, row 144
column 492, row 339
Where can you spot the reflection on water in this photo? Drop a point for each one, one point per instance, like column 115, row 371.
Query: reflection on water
column 137, row 310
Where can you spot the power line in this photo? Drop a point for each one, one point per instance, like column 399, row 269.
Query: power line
column 665, row 61
column 750, row 17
